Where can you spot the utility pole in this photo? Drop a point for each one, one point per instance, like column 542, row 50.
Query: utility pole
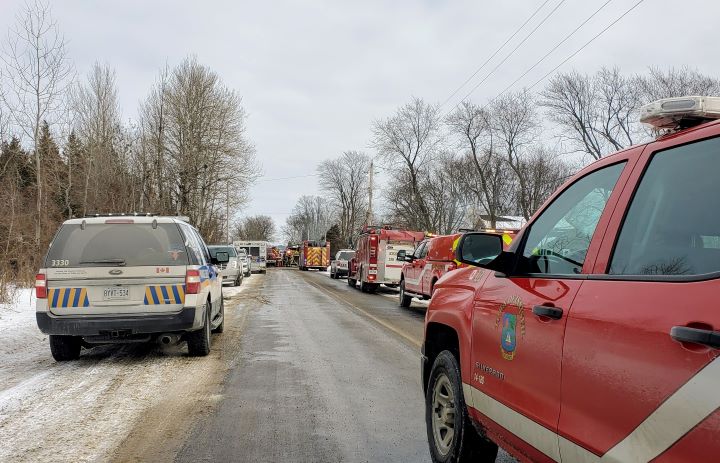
column 370, row 195
column 227, row 210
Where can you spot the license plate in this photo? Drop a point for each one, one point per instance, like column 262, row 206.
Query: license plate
column 116, row 294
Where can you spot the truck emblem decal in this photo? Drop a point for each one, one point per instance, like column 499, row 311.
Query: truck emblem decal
column 509, row 321
column 115, row 271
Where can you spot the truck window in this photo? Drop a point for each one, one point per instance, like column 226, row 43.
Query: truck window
column 111, row 244
column 670, row 227
column 559, row 239
column 229, row 249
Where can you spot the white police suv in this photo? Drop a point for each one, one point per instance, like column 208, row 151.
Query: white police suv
column 128, row 278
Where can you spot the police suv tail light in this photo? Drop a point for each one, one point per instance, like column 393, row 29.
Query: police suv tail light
column 192, row 282
column 679, row 113
column 40, row 286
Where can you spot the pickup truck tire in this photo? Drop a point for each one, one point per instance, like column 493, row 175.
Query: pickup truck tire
column 451, row 435
column 199, row 341
column 64, row 348
column 405, row 300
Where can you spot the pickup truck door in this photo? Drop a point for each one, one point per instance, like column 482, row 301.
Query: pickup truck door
column 519, row 320
column 413, row 278
column 635, row 386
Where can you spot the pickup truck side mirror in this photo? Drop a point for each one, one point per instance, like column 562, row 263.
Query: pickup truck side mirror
column 483, row 250
column 221, row 257
column 401, row 255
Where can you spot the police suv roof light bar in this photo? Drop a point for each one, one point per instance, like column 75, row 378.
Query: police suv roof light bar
column 681, row 112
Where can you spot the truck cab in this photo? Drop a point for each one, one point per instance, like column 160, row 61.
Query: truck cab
column 595, row 336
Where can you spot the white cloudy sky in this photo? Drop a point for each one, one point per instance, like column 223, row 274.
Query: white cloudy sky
column 314, row 74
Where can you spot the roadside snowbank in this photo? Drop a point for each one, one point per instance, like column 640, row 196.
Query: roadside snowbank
column 81, row 411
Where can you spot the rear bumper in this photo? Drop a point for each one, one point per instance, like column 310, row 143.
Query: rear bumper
column 127, row 324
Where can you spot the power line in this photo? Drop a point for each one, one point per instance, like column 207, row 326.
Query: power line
column 512, row 52
column 587, row 43
column 567, row 37
column 494, row 54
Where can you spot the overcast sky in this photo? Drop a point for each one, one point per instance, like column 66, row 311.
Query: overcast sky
column 314, row 74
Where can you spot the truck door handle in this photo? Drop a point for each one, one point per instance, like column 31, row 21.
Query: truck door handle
column 696, row 336
column 555, row 313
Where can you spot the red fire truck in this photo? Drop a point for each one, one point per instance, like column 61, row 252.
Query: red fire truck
column 315, row 254
column 375, row 260
column 432, row 259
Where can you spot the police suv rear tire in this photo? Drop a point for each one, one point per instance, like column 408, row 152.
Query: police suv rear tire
column 451, row 435
column 405, row 300
column 199, row 341
column 64, row 348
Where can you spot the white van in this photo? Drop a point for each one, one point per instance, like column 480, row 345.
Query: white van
column 257, row 252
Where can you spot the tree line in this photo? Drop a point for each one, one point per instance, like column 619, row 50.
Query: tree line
column 475, row 164
column 65, row 151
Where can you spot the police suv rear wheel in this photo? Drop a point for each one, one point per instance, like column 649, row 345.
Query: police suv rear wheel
column 451, row 435
column 64, row 348
column 199, row 341
column 405, row 300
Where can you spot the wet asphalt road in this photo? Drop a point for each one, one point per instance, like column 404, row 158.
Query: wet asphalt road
column 324, row 373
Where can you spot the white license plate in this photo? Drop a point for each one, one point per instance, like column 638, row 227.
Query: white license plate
column 116, row 294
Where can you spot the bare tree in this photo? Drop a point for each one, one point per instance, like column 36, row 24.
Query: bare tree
column 675, row 82
column 345, row 181
column 97, row 125
column 481, row 172
column 193, row 130
column 515, row 124
column 541, row 172
column 309, row 220
column 37, row 71
column 409, row 140
column 258, row 227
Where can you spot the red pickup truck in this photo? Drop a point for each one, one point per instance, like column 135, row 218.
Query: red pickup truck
column 595, row 337
column 431, row 259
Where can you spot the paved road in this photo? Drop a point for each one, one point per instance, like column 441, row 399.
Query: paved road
column 325, row 374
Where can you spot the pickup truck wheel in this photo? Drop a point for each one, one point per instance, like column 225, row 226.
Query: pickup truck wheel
column 199, row 341
column 64, row 348
column 405, row 300
column 451, row 435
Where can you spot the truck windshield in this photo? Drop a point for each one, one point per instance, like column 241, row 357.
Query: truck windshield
column 229, row 249
column 112, row 245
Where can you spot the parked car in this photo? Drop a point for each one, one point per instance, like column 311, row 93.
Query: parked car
column 231, row 271
column 245, row 262
column 113, row 279
column 339, row 266
column 596, row 336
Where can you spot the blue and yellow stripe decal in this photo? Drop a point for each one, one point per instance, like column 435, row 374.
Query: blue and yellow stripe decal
column 67, row 297
column 164, row 294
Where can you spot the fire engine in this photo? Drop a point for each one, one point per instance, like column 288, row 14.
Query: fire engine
column 433, row 258
column 314, row 254
column 596, row 336
column 375, row 260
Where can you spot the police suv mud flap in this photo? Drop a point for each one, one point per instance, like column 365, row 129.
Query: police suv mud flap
column 679, row 414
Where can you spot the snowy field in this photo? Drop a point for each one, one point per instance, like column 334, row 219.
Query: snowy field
column 82, row 410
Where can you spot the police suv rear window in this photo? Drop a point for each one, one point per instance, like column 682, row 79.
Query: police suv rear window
column 108, row 245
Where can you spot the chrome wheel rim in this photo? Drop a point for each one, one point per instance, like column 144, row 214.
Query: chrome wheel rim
column 443, row 414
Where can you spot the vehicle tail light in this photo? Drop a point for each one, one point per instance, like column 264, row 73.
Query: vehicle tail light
column 40, row 286
column 371, row 277
column 192, row 282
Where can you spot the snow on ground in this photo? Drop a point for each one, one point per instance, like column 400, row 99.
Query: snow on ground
column 81, row 411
